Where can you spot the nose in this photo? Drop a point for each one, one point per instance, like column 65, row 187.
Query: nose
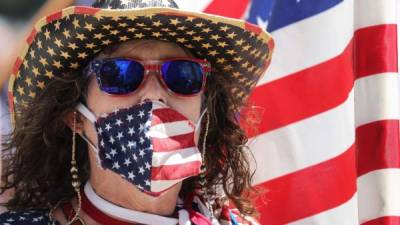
column 152, row 89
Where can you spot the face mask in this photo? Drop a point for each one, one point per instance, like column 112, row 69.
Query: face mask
column 149, row 144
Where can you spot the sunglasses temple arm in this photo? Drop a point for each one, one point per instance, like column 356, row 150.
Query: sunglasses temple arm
column 92, row 67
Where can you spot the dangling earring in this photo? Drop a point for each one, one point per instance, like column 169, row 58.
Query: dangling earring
column 203, row 170
column 76, row 183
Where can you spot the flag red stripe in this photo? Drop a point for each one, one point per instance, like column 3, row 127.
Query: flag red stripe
column 376, row 50
column 387, row 220
column 378, row 146
column 233, row 8
column 309, row 191
column 305, row 93
column 173, row 143
column 171, row 172
column 166, row 115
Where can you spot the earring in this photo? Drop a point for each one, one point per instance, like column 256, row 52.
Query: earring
column 203, row 170
column 76, row 183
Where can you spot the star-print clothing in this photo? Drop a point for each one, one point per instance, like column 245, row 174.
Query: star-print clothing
column 28, row 217
column 227, row 216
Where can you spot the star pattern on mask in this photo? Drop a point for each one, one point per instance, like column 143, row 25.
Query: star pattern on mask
column 130, row 156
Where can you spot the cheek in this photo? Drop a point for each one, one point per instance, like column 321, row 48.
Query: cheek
column 93, row 93
column 189, row 107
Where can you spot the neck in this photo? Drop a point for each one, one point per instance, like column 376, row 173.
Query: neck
column 106, row 212
column 118, row 191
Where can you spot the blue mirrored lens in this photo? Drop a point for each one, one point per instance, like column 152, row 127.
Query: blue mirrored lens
column 120, row 76
column 182, row 76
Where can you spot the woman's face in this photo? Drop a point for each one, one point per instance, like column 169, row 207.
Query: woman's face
column 100, row 102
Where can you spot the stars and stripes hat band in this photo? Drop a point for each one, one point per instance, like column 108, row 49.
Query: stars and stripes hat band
column 67, row 40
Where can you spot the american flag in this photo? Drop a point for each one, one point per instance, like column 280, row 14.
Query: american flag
column 150, row 145
column 328, row 146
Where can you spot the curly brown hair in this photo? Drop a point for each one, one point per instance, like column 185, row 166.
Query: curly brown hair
column 37, row 154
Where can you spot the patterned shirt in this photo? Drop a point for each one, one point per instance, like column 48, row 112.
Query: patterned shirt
column 28, row 217
column 227, row 216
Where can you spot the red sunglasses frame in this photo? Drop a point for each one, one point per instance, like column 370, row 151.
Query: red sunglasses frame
column 150, row 66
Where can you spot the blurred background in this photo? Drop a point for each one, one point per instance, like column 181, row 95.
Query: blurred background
column 14, row 16
column 16, row 20
column 19, row 9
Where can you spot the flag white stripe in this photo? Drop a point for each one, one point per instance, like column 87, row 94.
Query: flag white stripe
column 160, row 185
column 345, row 214
column 311, row 41
column 372, row 12
column 382, row 101
column 159, row 106
column 334, row 26
column 168, row 130
column 379, row 194
column 170, row 158
column 304, row 143
column 198, row 6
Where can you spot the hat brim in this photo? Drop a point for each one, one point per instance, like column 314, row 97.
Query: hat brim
column 69, row 39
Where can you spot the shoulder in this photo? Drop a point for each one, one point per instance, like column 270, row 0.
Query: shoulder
column 233, row 216
column 36, row 217
column 224, row 212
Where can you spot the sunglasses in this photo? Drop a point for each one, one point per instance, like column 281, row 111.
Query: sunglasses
column 122, row 76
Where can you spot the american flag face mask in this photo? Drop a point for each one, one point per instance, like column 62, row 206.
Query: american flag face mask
column 149, row 145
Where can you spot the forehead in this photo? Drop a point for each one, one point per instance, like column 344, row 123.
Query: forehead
column 146, row 50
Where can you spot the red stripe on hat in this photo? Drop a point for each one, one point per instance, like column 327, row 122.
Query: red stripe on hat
column 376, row 50
column 86, row 10
column 305, row 93
column 166, row 115
column 252, row 28
column 309, row 191
column 233, row 8
column 174, row 143
column 11, row 103
column 387, row 220
column 31, row 36
column 266, row 64
column 54, row 16
column 271, row 44
column 378, row 146
column 16, row 66
column 174, row 172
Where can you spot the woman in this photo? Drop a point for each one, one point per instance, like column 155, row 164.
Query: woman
column 131, row 117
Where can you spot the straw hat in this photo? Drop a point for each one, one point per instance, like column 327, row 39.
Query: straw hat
column 67, row 40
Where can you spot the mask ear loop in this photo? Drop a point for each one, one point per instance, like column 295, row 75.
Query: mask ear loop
column 92, row 118
column 85, row 111
column 197, row 125
column 76, row 183
column 203, row 170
